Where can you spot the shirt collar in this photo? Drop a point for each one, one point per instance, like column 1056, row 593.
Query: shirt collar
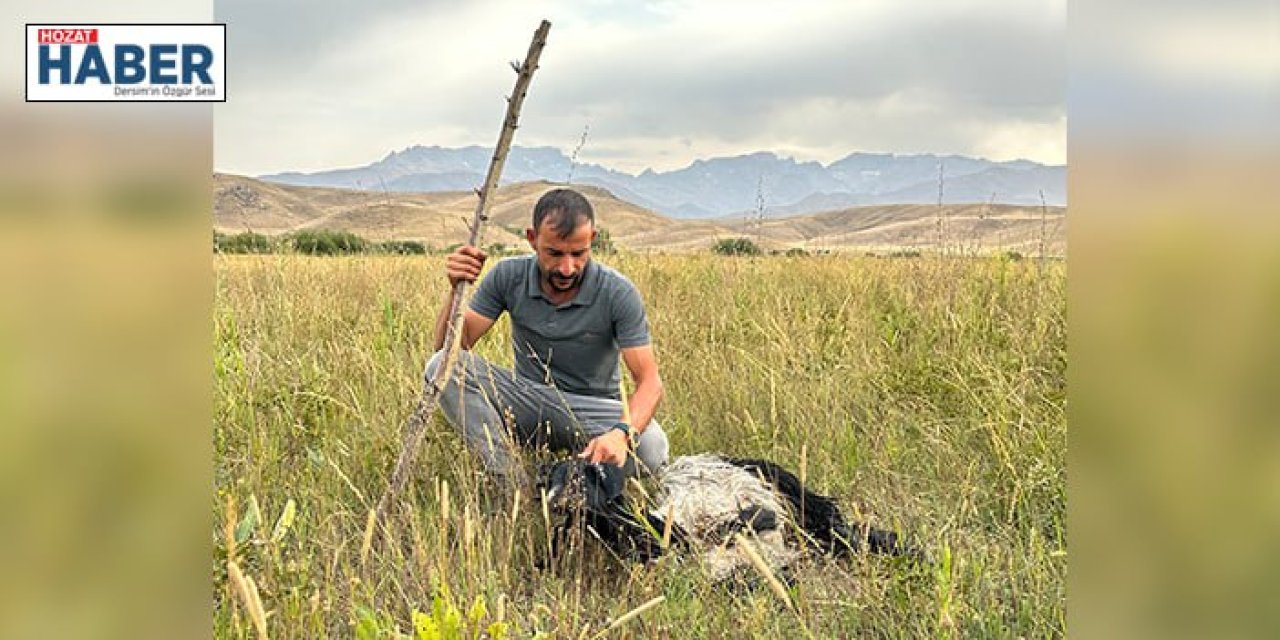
column 586, row 291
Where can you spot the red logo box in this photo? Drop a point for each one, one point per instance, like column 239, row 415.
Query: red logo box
column 67, row 36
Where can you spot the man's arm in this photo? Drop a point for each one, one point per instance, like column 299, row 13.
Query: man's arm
column 463, row 265
column 611, row 446
column 474, row 325
column 643, row 403
column 630, row 328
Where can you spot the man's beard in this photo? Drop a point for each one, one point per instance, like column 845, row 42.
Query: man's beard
column 564, row 284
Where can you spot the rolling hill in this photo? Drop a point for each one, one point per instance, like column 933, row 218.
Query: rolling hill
column 975, row 228
column 437, row 219
column 440, row 219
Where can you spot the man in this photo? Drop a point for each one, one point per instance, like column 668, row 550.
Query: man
column 570, row 320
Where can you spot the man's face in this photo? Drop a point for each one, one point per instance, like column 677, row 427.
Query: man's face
column 562, row 260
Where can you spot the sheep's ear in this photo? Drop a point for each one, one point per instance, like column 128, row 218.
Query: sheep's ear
column 614, row 480
column 604, row 483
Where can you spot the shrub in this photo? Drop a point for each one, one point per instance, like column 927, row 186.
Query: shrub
column 795, row 252
column 403, row 247
column 246, row 242
column 323, row 242
column 736, row 247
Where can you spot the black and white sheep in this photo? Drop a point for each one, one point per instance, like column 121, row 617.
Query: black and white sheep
column 702, row 502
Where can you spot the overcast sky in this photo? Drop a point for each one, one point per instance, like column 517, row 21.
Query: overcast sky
column 322, row 84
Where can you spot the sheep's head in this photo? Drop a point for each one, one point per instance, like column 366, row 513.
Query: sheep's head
column 575, row 484
column 590, row 496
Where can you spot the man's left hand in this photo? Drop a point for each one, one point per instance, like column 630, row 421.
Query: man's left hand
column 608, row 447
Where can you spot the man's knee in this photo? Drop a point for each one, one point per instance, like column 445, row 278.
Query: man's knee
column 433, row 365
column 458, row 391
column 652, row 448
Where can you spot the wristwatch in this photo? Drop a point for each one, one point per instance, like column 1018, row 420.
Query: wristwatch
column 625, row 428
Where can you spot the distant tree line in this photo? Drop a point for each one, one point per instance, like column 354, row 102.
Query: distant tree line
column 327, row 242
column 314, row 242
column 748, row 247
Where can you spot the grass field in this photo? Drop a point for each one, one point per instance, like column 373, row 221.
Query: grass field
column 926, row 394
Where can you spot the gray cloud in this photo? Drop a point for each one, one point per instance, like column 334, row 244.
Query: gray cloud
column 325, row 84
column 966, row 67
column 276, row 40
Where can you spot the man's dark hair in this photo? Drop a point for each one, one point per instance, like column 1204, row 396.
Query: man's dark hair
column 567, row 208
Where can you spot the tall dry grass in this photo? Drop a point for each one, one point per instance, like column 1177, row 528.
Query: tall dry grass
column 926, row 394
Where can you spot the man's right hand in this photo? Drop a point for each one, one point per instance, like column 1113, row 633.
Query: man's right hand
column 464, row 264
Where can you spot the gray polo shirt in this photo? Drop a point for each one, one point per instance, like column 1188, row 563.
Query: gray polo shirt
column 574, row 345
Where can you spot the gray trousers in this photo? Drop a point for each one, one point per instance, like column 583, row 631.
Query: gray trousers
column 495, row 410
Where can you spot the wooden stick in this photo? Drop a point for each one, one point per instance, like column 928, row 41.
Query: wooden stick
column 415, row 428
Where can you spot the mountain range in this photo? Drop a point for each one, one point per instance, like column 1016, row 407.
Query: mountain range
column 759, row 184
